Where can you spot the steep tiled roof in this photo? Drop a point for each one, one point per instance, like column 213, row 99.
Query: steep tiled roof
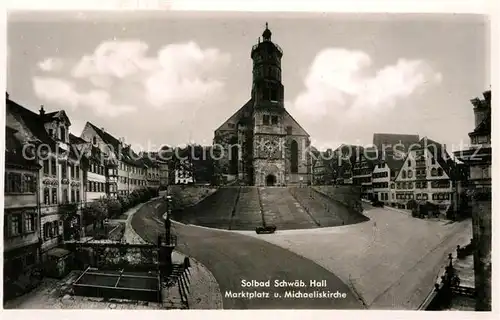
column 14, row 152
column 126, row 155
column 129, row 156
column 32, row 121
column 106, row 137
column 392, row 139
column 149, row 161
column 75, row 140
column 49, row 116
column 246, row 107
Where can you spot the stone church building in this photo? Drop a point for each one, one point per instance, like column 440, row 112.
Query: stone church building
column 261, row 144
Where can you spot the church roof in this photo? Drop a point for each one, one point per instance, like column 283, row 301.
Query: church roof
column 301, row 128
column 246, row 106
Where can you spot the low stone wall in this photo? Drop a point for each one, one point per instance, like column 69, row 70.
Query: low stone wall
column 349, row 196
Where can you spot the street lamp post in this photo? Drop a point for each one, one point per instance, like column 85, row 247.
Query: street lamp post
column 166, row 218
column 166, row 249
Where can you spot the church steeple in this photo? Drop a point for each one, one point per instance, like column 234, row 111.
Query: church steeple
column 266, row 35
column 267, row 89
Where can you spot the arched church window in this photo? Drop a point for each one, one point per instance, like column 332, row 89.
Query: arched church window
column 294, row 157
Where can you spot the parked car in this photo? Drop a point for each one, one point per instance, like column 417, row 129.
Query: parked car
column 266, row 229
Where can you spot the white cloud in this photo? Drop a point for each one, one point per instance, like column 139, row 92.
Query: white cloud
column 112, row 58
column 63, row 93
column 56, row 90
column 346, row 99
column 51, row 64
column 178, row 74
column 339, row 81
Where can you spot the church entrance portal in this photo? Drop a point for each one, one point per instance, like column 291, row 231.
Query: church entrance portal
column 270, row 180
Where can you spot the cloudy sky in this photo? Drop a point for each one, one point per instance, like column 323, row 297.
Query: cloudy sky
column 170, row 78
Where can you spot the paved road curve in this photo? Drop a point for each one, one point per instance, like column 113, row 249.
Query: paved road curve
column 233, row 257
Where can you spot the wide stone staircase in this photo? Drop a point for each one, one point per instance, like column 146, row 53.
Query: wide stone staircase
column 247, row 207
column 281, row 209
column 247, row 213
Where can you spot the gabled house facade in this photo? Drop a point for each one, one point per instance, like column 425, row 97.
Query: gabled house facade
column 363, row 170
column 152, row 169
column 426, row 176
column 345, row 157
column 22, row 238
column 384, row 174
column 318, row 170
column 60, row 185
column 124, row 170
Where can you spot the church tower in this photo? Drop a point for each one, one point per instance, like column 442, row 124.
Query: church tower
column 269, row 132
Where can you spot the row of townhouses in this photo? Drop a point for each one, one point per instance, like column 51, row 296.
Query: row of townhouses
column 418, row 170
column 51, row 174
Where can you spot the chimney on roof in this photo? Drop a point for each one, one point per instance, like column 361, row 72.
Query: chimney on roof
column 102, row 129
column 42, row 111
column 122, row 140
column 6, row 95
